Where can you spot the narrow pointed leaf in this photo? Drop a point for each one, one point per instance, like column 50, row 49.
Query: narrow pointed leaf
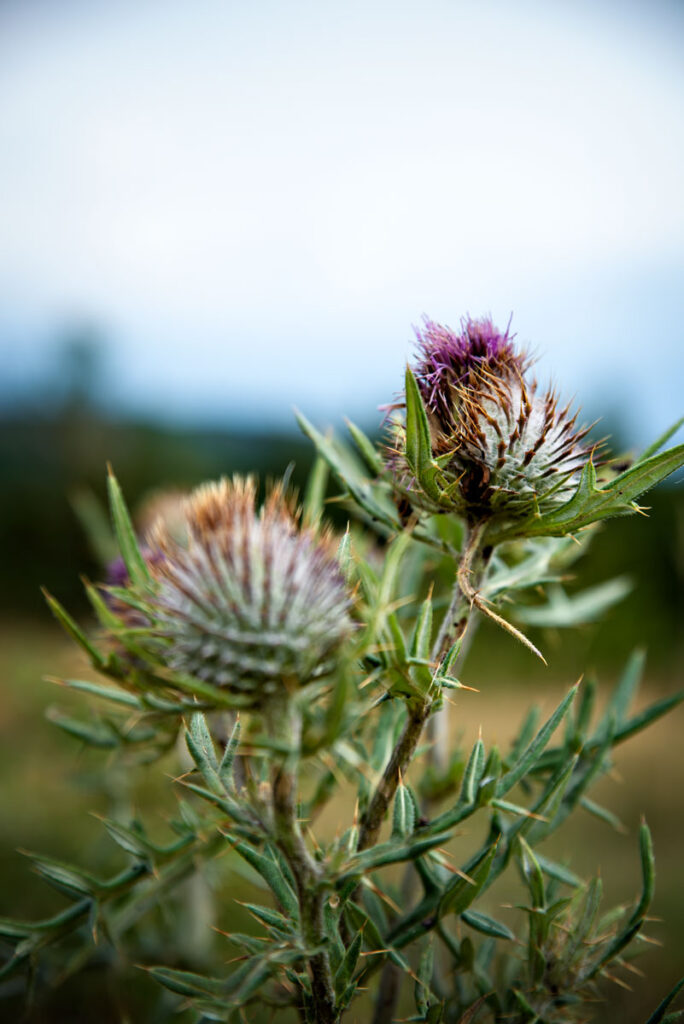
column 473, row 774
column 418, row 446
column 617, row 707
column 461, row 892
column 486, row 924
column 125, row 534
column 348, row 965
column 658, row 1015
column 272, row 876
column 403, row 813
column 201, row 747
column 366, row 448
column 530, row 755
column 314, row 496
column 66, row 621
column 228, row 760
column 660, row 441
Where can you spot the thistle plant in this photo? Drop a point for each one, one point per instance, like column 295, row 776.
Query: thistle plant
column 301, row 669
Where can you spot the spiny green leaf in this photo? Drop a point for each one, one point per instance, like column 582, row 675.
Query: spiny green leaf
column 228, row 759
column 585, row 710
column 602, row 813
column 366, row 448
column 473, row 773
column 231, row 807
column 558, row 871
column 648, row 715
column 418, row 445
column 110, row 693
column 636, row 919
column 66, row 621
column 105, row 615
column 64, row 877
column 581, row 929
column 660, row 441
column 348, row 965
column 271, row 918
column 125, row 534
column 621, row 698
column 403, row 813
column 487, row 925
column 392, row 852
column 98, row 734
column 271, row 874
column 186, row 983
column 92, row 515
column 422, row 634
column 422, row 987
column 344, row 556
column 201, row 747
column 490, row 777
column 530, row 755
column 647, row 872
column 532, row 874
column 347, row 470
column 213, row 695
column 658, row 1015
column 460, row 892
column 591, row 503
column 128, row 839
column 314, row 496
column 391, row 567
column 588, row 605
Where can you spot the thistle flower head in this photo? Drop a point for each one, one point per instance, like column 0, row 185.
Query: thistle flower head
column 503, row 448
column 249, row 600
column 447, row 358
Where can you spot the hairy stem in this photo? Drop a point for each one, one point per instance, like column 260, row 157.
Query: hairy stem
column 396, row 766
column 284, row 723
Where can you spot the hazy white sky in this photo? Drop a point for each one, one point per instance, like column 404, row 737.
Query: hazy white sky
column 256, row 200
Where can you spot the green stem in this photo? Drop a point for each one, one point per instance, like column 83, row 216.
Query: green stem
column 459, row 614
column 473, row 562
column 469, row 575
column 457, row 624
column 284, row 723
column 397, row 765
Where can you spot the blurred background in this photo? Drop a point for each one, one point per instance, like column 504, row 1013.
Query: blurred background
column 212, row 212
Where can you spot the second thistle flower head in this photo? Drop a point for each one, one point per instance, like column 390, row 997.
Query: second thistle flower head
column 250, row 601
column 503, row 448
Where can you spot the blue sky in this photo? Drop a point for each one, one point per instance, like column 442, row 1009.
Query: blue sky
column 256, row 201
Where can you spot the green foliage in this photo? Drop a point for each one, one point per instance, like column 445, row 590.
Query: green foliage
column 392, row 889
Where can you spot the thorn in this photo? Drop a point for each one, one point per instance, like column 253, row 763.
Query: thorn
column 380, row 894
column 649, row 940
column 618, row 981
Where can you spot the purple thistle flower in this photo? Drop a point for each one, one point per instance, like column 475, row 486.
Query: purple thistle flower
column 503, row 448
column 117, row 573
column 448, row 359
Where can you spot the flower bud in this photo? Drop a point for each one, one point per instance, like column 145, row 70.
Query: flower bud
column 500, row 448
column 249, row 601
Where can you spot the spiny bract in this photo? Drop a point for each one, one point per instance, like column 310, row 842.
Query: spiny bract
column 504, row 449
column 248, row 600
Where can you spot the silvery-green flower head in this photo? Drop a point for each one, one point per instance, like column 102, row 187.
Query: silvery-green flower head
column 249, row 600
column 501, row 447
